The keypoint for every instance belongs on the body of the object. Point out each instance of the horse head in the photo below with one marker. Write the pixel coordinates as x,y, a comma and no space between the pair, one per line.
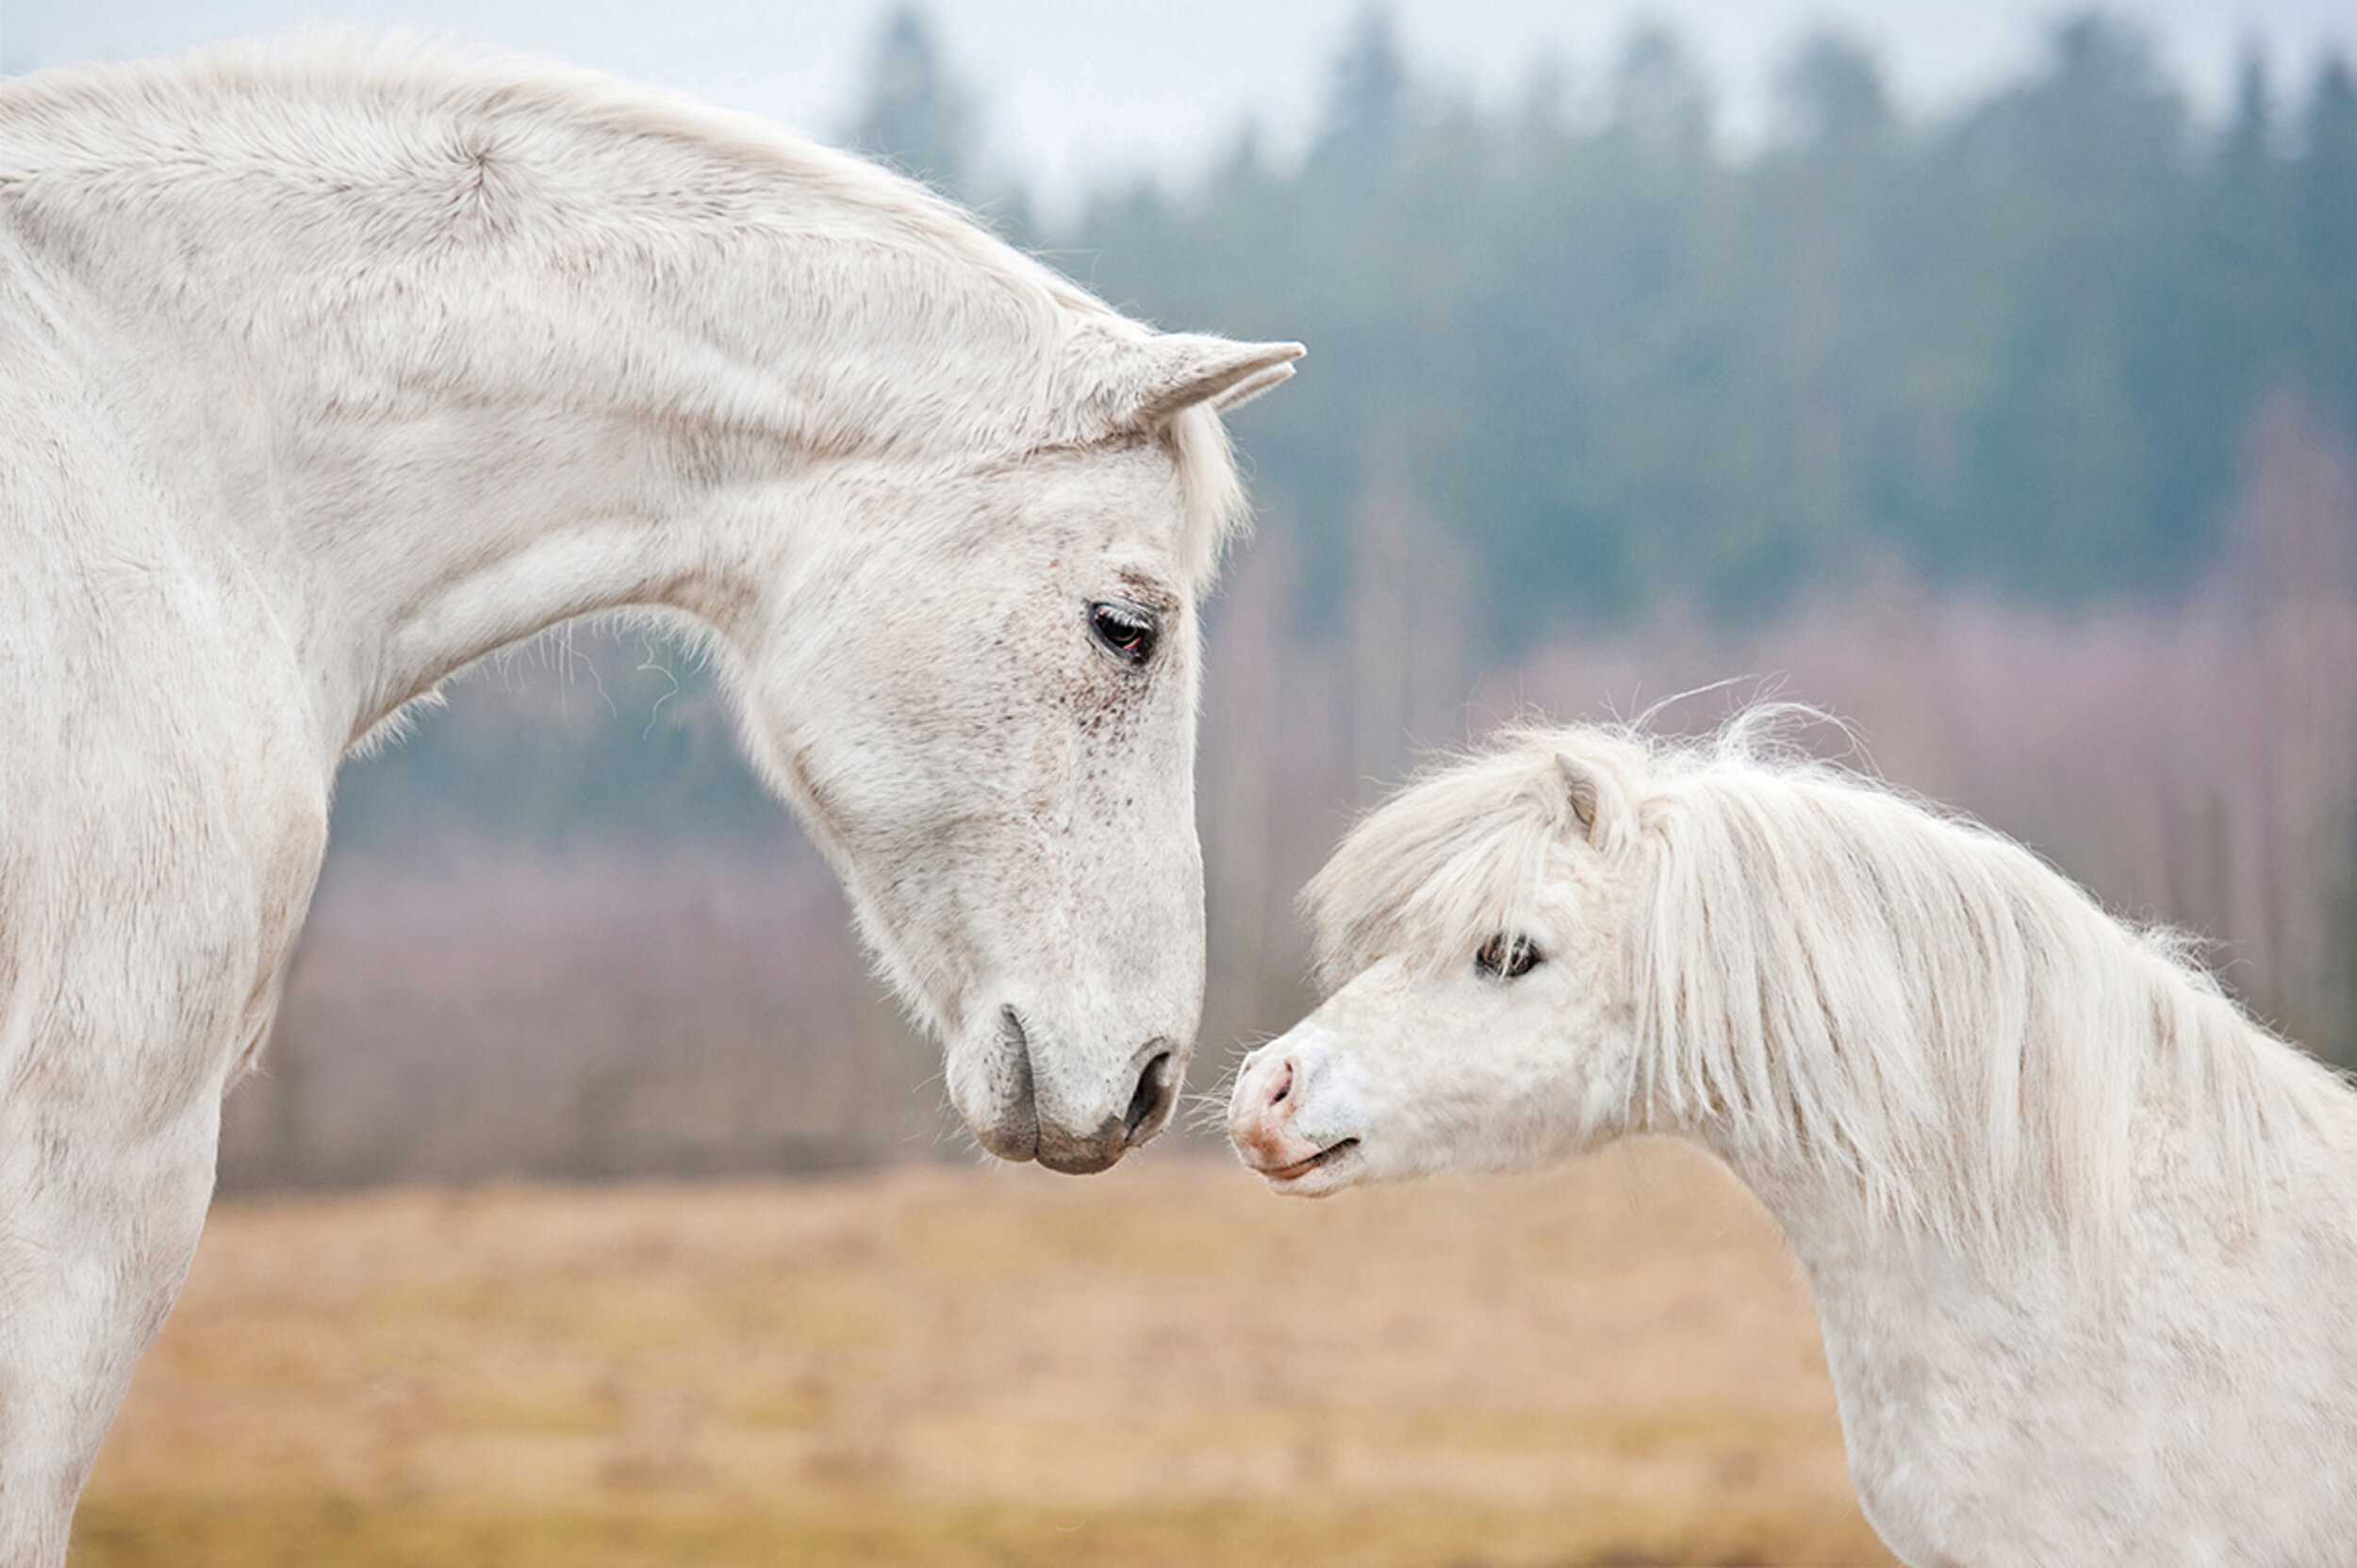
983,701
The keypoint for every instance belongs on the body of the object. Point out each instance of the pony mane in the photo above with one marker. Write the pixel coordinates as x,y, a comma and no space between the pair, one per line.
330,82
1828,979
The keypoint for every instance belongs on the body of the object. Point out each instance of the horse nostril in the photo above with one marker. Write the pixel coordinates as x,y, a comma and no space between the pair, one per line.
1284,1085
1018,1041
1151,1096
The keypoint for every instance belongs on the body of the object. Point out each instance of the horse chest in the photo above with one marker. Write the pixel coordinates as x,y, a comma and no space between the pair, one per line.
165,817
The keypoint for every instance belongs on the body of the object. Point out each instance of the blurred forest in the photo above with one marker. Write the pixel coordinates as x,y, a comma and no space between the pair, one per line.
2020,437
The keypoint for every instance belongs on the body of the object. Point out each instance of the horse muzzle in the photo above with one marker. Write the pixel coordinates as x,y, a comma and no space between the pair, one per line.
1024,1101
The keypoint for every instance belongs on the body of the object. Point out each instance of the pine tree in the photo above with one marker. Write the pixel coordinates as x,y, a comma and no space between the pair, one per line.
1832,97
918,117
2327,199
1367,115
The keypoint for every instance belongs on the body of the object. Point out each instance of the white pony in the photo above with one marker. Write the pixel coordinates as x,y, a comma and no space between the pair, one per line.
2082,1238
323,375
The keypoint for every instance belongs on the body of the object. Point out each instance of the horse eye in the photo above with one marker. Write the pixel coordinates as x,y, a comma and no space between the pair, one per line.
1126,631
1505,957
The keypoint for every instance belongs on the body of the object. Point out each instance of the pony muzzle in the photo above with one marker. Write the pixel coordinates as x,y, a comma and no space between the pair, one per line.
1261,1115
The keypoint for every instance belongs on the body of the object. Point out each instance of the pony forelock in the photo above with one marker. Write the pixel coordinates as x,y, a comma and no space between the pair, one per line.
1458,855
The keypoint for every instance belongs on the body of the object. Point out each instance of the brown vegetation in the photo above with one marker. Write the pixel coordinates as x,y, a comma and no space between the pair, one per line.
1613,1362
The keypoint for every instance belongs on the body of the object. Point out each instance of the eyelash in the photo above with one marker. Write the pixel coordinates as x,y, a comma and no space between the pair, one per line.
1505,957
1125,631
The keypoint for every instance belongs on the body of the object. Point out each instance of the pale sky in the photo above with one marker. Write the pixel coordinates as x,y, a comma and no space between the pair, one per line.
1080,94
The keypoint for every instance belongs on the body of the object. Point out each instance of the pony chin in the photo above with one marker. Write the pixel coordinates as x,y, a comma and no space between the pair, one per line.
1342,1167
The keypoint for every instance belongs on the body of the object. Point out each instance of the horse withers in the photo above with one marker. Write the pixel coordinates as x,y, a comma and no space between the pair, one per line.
323,374
2080,1236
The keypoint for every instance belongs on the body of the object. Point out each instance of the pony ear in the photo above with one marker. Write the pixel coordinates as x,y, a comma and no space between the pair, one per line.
1597,804
1177,371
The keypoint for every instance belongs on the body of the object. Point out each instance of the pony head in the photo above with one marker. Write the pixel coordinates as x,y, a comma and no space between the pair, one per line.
980,691
1474,934
1583,934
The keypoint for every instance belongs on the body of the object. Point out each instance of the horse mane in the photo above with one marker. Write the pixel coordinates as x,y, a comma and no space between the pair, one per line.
457,93
1828,977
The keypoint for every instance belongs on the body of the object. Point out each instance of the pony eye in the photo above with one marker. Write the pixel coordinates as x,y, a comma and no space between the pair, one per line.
1505,957
1127,632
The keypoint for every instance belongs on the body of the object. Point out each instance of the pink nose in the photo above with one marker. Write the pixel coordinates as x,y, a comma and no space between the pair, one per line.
1280,1088
1260,1120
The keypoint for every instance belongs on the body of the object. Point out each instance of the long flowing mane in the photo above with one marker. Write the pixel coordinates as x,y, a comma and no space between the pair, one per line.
463,153
1826,976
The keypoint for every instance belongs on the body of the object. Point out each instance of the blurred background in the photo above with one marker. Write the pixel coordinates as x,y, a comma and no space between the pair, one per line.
1978,373
1986,374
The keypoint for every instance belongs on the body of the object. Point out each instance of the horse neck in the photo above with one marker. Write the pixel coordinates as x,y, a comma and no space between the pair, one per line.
489,359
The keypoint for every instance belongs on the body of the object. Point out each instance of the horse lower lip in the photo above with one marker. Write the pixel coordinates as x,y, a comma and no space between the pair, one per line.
1303,1167
1078,1161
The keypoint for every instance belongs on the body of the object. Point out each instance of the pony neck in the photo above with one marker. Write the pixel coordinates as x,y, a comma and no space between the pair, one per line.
1905,1031
435,357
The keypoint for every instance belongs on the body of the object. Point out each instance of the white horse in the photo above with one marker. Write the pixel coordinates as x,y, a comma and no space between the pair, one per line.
2082,1238
323,375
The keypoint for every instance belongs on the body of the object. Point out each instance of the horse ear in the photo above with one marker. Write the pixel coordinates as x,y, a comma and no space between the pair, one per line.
1595,800
1184,369
1260,381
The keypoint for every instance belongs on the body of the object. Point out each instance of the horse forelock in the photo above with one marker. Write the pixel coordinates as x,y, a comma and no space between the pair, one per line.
1826,976
1213,512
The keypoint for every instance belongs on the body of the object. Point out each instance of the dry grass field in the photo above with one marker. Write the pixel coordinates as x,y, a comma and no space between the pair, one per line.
1610,1363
